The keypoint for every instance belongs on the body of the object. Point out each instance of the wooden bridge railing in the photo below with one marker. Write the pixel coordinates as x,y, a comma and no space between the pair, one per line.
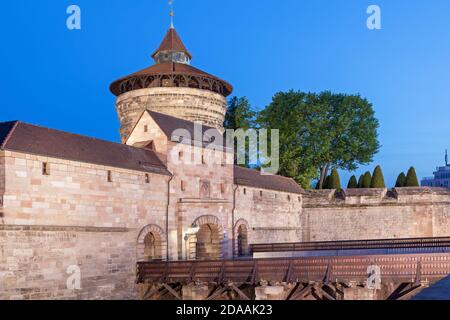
402,268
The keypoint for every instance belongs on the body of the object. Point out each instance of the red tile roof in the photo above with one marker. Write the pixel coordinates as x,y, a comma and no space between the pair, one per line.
31,139
254,179
172,43
169,125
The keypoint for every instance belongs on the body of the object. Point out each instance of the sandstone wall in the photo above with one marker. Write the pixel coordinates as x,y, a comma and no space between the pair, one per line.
185,103
272,216
74,217
200,193
375,214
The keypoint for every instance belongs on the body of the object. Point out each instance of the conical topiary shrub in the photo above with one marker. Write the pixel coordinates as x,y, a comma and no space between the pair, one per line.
378,179
352,183
367,180
360,181
326,184
401,180
335,181
411,178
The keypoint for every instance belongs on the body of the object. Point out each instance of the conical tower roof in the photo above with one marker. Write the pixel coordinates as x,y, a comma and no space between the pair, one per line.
172,43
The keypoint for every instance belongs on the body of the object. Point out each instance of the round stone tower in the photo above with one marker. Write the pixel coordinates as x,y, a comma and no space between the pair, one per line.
173,87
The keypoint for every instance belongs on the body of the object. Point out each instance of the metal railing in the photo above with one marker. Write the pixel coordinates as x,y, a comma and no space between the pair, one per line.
416,243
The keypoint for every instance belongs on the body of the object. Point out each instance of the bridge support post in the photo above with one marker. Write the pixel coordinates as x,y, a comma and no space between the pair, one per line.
195,292
360,293
276,292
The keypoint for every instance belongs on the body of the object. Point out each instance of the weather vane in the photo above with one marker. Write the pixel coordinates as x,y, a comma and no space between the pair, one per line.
171,13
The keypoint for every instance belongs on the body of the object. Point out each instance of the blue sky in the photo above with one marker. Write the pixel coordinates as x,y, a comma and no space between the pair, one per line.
59,78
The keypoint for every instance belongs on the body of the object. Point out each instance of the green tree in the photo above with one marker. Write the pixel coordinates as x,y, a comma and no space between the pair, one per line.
335,180
326,184
378,179
361,181
401,180
352,183
240,116
321,131
367,180
411,178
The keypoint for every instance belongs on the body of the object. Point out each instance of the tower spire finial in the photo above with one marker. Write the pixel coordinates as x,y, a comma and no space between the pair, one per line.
172,14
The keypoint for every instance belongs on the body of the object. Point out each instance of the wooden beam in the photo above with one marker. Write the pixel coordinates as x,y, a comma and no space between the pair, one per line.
151,292
172,291
324,293
217,293
300,294
239,292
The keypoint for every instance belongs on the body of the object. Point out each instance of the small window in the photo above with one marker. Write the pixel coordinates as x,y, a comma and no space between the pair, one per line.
299,199
260,193
145,128
180,155
183,186
203,159
109,176
45,169
289,198
147,178
245,191
222,188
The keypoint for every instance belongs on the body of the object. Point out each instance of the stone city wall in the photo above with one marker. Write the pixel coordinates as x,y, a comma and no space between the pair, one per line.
74,217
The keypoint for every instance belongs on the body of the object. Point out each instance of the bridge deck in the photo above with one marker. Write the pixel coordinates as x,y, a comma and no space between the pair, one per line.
400,268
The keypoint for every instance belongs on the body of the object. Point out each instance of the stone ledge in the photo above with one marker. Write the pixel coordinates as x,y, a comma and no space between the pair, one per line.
62,229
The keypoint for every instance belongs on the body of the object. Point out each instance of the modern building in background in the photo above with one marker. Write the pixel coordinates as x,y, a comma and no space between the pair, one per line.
441,176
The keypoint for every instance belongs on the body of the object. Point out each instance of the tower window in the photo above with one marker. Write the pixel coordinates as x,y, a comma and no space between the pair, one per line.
145,128
109,176
45,169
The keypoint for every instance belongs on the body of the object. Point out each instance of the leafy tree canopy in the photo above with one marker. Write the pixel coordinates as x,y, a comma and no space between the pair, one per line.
321,131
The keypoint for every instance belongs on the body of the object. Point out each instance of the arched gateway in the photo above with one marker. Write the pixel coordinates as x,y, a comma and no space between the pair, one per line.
152,244
208,242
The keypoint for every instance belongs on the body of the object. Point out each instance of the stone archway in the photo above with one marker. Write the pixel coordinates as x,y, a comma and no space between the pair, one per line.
152,244
241,242
207,244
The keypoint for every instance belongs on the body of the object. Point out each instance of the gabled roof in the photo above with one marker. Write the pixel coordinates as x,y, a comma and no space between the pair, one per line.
254,179
5,130
172,43
31,139
169,125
